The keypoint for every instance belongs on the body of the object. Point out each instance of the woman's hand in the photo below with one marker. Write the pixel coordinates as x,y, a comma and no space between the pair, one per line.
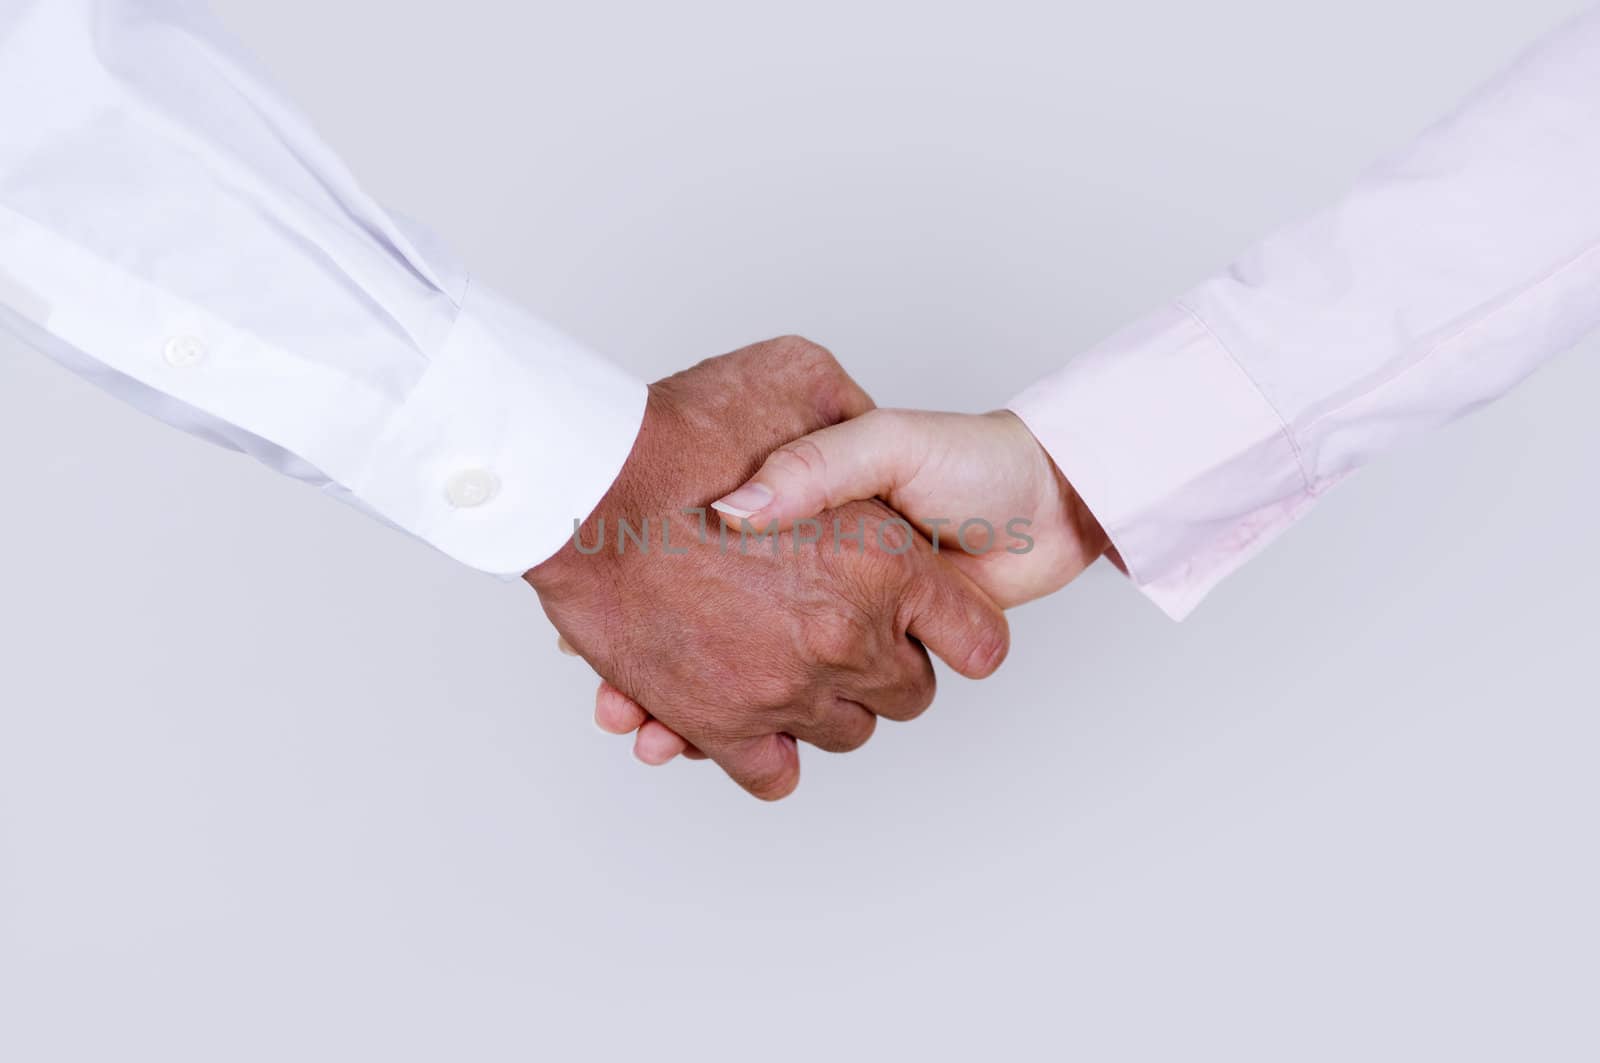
979,485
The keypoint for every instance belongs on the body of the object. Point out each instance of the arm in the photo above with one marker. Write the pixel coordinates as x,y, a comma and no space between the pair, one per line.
172,229
1190,440
1182,446
1447,274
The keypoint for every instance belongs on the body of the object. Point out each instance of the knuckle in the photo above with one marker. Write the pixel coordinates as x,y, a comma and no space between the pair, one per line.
815,372
835,640
773,692
771,783
987,654
919,696
843,731
815,717
886,569
862,734
911,699
830,742
802,349
802,459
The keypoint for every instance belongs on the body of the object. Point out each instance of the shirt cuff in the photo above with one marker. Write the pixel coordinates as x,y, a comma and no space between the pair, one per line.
1175,450
513,433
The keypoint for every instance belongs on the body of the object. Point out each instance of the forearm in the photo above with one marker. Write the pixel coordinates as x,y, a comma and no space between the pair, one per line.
1445,276
173,229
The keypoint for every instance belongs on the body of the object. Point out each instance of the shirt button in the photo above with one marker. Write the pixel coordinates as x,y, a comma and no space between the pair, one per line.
182,352
472,488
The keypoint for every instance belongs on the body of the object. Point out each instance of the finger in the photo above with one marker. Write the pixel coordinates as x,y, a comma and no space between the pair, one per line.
868,457
767,767
619,714
961,625
840,727
615,712
656,743
907,691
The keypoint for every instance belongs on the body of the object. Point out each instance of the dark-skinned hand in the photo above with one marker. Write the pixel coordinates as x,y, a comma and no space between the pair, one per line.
742,649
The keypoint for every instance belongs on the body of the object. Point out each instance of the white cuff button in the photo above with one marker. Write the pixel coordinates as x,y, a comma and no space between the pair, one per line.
182,352
472,488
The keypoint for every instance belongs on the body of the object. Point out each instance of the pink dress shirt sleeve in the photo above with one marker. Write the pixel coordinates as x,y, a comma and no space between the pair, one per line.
1447,274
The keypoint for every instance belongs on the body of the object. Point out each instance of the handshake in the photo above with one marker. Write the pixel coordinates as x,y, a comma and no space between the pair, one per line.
841,544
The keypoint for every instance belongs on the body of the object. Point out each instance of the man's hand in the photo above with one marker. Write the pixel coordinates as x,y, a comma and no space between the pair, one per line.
740,650
980,486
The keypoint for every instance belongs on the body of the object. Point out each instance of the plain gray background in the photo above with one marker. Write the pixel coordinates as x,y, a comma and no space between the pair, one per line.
278,783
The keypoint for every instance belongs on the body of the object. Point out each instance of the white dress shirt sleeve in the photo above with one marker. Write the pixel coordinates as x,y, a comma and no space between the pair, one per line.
1450,272
171,228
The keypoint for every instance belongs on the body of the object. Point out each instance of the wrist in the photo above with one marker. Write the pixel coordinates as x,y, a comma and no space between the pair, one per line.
1077,537
577,567
1085,526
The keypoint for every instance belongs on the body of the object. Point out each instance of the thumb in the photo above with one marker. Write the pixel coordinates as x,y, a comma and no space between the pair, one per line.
868,457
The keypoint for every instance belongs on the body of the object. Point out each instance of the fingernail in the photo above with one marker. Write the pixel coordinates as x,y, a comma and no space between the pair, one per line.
565,647
749,499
